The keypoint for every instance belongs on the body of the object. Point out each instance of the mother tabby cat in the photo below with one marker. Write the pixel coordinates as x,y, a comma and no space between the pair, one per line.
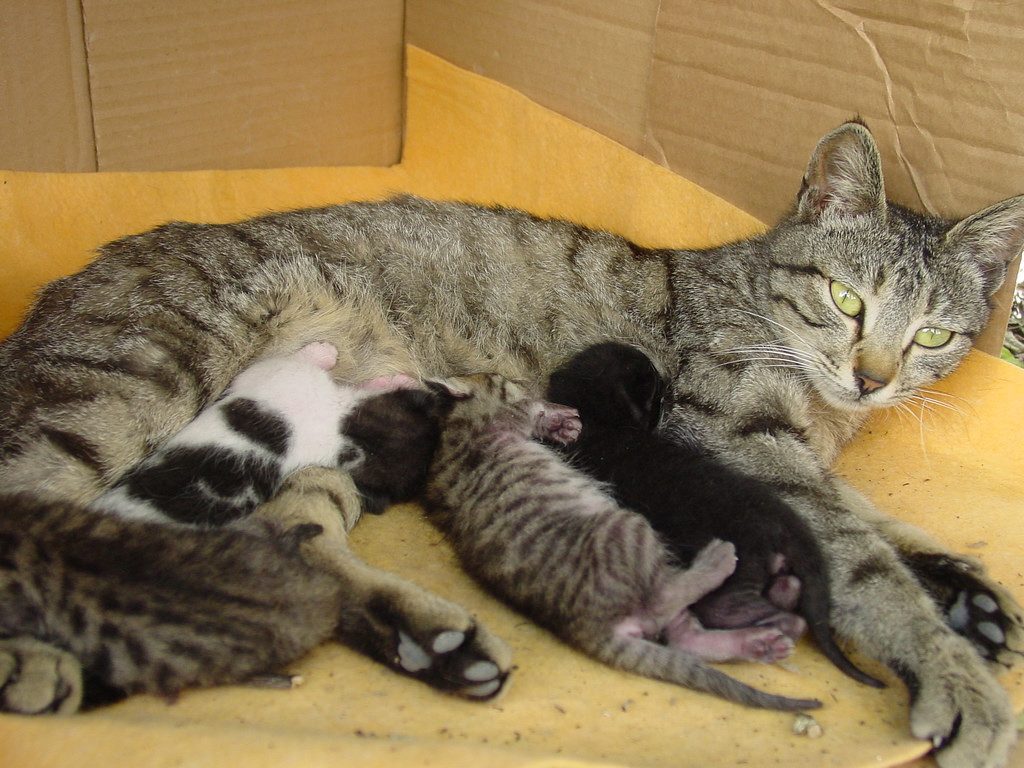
789,339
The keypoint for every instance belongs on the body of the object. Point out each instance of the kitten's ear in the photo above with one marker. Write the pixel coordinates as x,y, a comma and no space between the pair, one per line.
844,177
991,238
447,389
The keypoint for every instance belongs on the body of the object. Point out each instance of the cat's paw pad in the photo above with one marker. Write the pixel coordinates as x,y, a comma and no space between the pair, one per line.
974,606
37,678
461,662
320,353
430,639
964,713
558,424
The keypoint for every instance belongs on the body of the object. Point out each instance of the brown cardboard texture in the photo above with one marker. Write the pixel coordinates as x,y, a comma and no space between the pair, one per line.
45,115
174,86
588,59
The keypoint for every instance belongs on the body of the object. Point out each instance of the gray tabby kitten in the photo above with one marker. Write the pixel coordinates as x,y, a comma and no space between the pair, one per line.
552,543
850,303
97,607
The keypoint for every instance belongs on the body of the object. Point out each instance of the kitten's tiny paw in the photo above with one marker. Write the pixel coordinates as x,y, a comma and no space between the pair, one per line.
558,423
766,645
790,624
718,557
974,606
320,353
37,678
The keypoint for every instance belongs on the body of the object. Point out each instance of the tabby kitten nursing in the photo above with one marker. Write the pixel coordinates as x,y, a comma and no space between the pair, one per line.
551,542
690,499
777,347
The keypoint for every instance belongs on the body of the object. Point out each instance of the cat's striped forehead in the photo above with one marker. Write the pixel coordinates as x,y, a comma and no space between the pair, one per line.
905,269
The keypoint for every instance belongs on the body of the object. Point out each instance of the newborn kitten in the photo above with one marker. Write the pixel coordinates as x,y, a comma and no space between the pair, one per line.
278,415
549,540
691,499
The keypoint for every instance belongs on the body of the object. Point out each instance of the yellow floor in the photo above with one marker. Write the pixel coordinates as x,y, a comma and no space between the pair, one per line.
956,474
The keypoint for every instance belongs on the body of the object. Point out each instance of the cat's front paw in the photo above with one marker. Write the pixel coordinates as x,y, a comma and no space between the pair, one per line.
37,678
973,605
557,424
958,706
434,641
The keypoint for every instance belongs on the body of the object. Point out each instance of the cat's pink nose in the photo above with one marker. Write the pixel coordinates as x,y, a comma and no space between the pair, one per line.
868,382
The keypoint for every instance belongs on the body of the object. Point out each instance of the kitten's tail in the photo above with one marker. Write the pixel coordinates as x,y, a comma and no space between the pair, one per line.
673,665
805,558
814,607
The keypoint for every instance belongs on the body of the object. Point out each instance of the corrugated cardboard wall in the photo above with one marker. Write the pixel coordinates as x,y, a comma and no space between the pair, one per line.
587,59
152,85
45,116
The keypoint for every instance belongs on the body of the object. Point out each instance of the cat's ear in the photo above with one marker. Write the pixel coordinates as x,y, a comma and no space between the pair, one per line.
991,238
844,177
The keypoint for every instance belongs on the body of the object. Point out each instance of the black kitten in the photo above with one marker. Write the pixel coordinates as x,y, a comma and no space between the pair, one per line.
690,499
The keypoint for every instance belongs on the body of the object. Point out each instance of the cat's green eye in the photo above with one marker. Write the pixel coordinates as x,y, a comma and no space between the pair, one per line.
849,303
933,337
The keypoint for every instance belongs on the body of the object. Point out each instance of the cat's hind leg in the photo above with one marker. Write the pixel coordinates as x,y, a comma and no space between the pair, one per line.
383,616
37,678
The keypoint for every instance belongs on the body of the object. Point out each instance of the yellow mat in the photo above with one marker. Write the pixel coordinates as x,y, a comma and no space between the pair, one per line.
469,138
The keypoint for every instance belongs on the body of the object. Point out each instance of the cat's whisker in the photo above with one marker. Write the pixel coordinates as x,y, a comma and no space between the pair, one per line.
949,396
783,326
775,349
932,403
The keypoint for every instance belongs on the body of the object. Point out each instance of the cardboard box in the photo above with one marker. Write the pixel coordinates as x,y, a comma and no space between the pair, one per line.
730,95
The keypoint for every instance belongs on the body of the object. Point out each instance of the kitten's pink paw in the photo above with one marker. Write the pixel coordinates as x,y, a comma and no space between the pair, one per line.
319,353
767,645
390,383
557,423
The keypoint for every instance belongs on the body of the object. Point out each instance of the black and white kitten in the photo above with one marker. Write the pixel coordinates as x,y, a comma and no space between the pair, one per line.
280,414
691,498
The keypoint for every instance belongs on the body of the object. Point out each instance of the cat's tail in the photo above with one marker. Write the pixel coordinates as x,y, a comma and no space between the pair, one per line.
661,662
